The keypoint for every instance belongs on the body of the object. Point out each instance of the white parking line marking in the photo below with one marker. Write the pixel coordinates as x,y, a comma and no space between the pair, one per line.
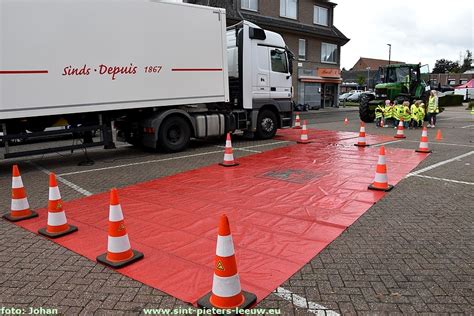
440,143
467,126
140,163
268,144
441,163
165,159
242,149
444,179
386,143
302,302
64,181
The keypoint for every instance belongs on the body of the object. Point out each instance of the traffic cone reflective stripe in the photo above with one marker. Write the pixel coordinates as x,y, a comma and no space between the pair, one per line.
400,129
304,134
346,121
19,207
57,225
381,180
119,251
423,148
228,154
297,121
226,291
361,141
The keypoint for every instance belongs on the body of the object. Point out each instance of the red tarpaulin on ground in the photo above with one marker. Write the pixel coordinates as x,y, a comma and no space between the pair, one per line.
284,207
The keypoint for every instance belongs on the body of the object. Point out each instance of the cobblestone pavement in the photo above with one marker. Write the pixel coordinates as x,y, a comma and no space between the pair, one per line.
410,253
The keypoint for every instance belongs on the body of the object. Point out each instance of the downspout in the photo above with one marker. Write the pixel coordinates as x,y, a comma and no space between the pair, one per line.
237,9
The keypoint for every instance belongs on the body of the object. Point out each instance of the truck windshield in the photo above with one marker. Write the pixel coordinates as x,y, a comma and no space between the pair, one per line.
279,61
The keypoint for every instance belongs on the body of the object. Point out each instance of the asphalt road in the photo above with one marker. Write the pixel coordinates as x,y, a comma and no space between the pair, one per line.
409,253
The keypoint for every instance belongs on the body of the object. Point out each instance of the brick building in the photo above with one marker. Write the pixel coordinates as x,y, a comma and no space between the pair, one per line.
374,64
308,30
451,79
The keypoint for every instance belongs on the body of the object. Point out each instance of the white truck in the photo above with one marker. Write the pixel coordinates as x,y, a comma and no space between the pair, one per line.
161,72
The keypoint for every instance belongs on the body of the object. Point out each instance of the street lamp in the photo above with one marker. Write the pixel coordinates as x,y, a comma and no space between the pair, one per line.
389,52
368,79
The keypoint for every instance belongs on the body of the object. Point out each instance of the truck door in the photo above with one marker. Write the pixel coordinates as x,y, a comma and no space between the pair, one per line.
261,75
280,82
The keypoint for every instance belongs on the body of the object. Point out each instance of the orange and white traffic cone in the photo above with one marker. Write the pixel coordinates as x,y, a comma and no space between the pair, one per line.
361,141
304,135
119,252
226,292
400,129
228,154
297,121
20,208
439,136
346,121
381,182
57,223
423,148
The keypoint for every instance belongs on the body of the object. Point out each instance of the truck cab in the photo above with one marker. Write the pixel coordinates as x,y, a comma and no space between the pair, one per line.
260,77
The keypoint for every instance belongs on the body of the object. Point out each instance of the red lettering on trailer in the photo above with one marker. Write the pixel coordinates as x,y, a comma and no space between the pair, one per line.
115,70
22,72
196,69
70,71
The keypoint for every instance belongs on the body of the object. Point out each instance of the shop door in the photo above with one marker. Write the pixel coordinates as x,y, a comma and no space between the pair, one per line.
312,95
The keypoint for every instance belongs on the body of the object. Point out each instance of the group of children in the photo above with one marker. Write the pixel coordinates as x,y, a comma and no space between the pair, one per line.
392,113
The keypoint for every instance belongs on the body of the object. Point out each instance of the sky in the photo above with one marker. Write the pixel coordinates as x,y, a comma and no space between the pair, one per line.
419,31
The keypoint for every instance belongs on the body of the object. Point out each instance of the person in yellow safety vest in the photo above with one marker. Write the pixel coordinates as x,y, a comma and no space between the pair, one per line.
405,114
414,114
396,113
387,113
378,115
433,109
421,114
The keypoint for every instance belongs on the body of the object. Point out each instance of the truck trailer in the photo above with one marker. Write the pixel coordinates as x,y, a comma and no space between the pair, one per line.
158,72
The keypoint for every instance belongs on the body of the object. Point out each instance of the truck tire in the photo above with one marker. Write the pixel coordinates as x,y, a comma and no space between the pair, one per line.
366,115
174,134
267,124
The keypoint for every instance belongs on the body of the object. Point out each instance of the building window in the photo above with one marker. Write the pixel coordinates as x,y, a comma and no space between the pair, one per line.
328,53
463,81
320,16
249,5
288,8
302,49
452,82
279,63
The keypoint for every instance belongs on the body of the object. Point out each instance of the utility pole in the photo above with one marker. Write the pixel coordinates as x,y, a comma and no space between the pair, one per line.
389,52
368,79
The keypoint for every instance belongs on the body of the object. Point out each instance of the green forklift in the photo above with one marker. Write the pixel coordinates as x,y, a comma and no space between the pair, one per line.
398,82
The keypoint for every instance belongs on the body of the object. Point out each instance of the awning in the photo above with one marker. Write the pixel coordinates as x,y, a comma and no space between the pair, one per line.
319,79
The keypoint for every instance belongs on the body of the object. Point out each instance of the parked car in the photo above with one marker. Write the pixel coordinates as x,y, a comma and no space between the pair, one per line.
343,97
354,97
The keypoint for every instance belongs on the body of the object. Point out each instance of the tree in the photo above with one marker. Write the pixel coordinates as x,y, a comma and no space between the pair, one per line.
360,80
467,62
443,65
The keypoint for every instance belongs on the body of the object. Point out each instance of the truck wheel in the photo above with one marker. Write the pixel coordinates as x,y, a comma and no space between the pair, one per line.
174,134
366,115
266,124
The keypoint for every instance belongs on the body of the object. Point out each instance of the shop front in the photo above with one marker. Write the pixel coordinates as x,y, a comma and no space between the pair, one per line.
319,88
